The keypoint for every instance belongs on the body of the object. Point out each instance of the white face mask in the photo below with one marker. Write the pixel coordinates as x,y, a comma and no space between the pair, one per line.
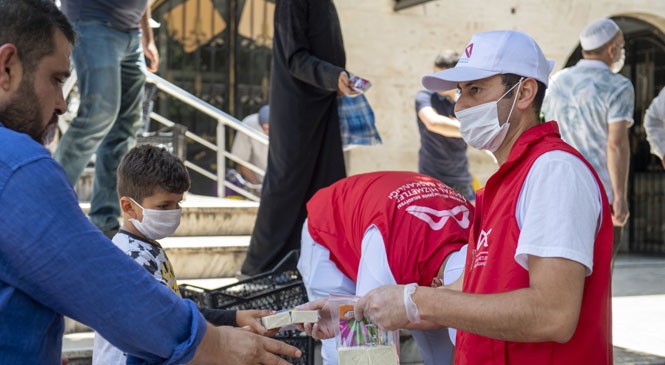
157,224
480,126
618,64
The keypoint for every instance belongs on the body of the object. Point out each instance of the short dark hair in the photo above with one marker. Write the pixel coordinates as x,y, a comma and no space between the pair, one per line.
30,26
446,59
509,80
146,168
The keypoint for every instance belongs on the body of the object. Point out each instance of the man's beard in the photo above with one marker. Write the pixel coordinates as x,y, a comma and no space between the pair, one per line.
22,113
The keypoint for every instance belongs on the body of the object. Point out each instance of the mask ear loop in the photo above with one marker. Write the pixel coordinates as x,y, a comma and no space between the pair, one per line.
138,205
518,84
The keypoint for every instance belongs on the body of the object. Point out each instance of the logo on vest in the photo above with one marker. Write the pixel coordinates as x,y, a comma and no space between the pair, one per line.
436,219
480,254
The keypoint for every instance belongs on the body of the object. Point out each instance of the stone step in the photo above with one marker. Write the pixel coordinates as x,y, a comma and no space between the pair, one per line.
212,216
203,257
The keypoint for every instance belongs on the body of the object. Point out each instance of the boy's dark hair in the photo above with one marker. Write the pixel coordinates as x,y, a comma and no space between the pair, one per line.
446,59
30,26
146,168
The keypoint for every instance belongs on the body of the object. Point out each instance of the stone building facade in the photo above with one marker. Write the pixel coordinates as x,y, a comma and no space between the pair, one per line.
394,49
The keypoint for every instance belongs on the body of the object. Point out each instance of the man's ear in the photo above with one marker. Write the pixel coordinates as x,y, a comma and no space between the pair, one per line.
526,93
11,67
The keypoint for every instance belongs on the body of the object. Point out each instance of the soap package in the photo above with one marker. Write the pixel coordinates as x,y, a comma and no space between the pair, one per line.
289,317
361,342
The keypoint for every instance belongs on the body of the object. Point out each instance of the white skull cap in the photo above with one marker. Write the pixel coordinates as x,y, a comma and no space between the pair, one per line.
598,33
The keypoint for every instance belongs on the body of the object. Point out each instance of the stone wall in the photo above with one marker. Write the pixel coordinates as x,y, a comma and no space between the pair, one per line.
395,49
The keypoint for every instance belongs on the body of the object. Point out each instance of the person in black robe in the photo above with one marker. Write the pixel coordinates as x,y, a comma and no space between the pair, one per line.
305,152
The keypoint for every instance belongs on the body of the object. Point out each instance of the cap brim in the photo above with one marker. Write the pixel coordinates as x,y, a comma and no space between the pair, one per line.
550,65
448,79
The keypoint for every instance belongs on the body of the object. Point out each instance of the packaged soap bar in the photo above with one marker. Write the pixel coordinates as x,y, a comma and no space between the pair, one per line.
368,355
289,317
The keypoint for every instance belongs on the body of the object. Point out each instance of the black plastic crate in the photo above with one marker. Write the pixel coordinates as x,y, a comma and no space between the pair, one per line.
194,293
265,291
280,288
300,340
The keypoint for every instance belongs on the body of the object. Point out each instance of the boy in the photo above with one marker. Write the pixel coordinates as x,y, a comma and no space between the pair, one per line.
151,184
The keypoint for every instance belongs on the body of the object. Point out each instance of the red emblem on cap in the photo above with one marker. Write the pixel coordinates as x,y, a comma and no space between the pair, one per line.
469,50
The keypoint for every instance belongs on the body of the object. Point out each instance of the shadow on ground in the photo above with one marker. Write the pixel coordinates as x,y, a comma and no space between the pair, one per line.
629,357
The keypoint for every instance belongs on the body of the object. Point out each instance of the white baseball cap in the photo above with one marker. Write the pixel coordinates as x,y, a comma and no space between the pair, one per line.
598,33
494,53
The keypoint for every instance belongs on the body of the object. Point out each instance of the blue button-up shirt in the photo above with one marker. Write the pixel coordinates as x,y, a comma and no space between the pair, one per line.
54,262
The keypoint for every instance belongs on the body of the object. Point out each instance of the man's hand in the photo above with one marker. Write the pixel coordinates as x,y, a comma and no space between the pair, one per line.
384,306
324,328
620,212
152,55
231,345
344,85
148,41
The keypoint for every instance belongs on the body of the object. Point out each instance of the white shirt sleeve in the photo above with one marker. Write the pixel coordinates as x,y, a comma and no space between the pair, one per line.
654,124
373,269
558,210
242,144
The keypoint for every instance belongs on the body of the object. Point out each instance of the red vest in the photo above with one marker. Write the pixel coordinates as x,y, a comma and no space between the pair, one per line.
412,212
491,267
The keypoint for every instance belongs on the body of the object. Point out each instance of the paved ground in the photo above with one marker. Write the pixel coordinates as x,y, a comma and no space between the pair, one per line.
638,301
639,310
638,313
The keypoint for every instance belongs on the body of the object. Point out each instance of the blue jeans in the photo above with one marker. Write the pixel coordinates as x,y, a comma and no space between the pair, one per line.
110,67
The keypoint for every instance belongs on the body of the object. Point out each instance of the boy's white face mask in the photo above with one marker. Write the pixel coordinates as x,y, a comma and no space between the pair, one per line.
157,224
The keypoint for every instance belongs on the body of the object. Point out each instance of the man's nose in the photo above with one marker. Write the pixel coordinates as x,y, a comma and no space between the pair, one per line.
459,105
60,103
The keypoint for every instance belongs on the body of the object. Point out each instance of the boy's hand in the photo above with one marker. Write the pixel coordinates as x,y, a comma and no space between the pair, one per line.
251,319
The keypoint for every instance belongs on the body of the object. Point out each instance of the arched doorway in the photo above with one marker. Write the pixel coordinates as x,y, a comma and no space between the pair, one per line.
645,67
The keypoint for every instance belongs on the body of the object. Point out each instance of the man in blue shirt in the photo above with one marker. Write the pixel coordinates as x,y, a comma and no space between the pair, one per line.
53,261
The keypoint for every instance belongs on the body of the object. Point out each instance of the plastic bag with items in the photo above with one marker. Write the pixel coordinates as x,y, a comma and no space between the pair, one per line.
361,342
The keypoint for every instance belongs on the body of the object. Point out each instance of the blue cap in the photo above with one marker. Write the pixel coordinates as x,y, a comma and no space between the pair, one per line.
264,114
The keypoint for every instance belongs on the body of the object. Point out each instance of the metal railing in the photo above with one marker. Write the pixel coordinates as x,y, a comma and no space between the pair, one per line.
223,120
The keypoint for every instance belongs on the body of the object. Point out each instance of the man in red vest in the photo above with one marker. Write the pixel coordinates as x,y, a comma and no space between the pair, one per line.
536,286
389,227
